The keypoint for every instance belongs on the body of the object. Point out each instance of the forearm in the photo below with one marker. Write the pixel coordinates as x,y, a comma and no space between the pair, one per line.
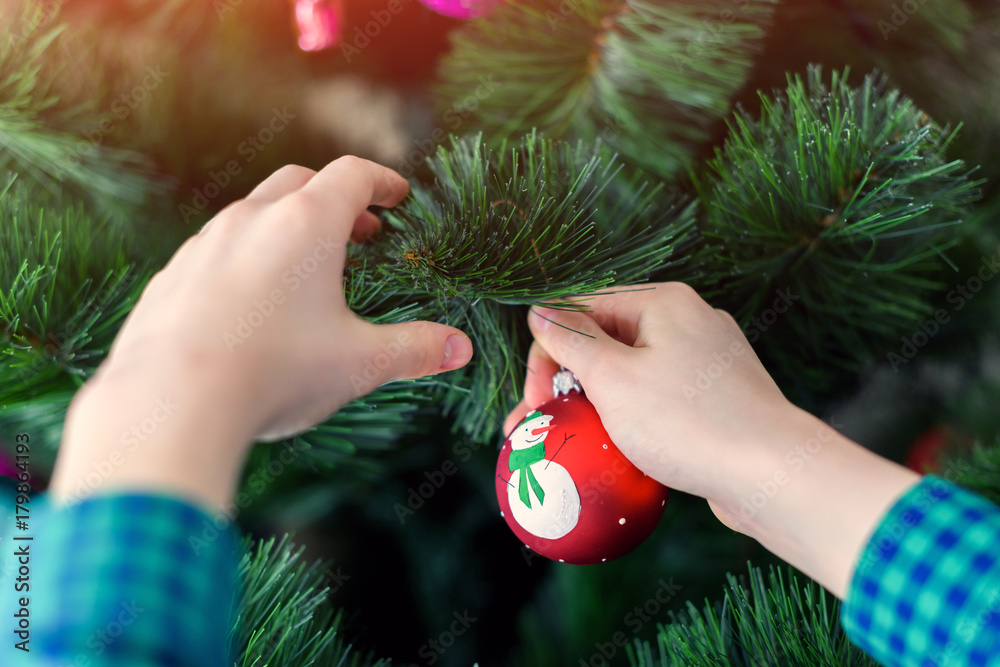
151,432
822,500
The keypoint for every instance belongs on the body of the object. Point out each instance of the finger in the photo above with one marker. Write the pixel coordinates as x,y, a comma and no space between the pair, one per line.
365,227
619,310
281,183
537,385
352,185
728,320
227,210
572,339
538,377
410,350
516,415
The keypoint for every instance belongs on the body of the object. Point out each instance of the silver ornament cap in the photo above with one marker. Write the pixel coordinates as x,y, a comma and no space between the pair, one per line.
565,382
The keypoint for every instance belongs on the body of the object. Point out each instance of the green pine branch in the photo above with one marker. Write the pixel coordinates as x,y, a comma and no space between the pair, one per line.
777,622
73,281
76,277
534,220
183,20
42,417
49,138
981,472
372,424
649,77
844,198
286,619
938,26
369,426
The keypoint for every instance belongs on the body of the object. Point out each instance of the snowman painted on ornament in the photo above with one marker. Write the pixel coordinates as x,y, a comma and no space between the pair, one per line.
543,497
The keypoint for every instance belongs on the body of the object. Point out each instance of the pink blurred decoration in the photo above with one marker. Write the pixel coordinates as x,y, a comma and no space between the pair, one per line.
7,467
319,22
460,9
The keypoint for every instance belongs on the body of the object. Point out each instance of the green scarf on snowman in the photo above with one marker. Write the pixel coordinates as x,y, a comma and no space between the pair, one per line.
523,459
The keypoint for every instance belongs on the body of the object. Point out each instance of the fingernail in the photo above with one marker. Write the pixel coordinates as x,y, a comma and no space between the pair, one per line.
542,317
457,352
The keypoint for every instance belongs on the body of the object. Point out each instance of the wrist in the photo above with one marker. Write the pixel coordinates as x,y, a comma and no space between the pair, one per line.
818,498
150,429
772,448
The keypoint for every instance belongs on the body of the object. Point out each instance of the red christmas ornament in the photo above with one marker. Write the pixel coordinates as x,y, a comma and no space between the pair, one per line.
925,455
567,491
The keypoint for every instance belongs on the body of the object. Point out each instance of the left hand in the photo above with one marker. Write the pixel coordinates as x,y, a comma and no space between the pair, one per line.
248,323
275,261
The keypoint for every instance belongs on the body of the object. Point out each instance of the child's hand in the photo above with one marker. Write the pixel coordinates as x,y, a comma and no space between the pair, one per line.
685,398
674,380
257,298
246,334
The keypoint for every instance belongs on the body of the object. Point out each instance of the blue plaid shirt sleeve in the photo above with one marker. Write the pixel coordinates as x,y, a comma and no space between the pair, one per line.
926,589
125,579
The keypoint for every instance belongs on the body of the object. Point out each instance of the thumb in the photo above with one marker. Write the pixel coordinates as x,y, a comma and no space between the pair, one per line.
571,337
415,349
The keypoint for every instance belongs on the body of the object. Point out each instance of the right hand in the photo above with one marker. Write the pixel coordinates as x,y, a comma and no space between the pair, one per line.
685,398
676,384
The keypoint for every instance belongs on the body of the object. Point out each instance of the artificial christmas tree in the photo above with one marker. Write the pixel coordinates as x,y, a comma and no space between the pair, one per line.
614,143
